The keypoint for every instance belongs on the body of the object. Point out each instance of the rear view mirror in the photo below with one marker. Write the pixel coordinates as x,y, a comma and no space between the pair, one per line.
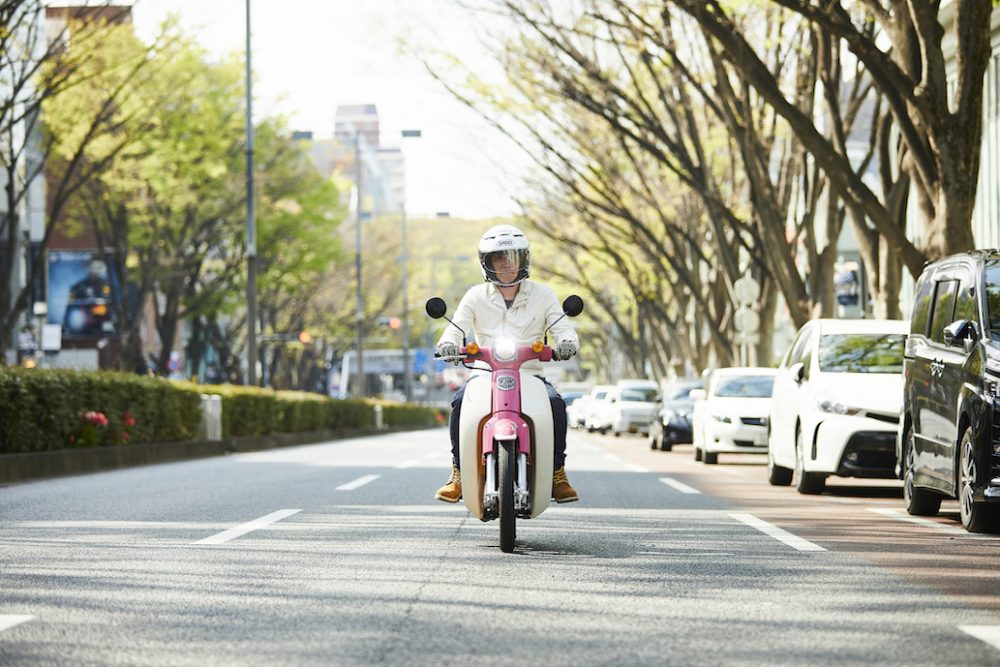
960,333
436,307
573,305
798,371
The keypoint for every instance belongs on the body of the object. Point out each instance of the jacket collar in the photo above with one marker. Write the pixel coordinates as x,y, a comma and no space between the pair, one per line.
522,293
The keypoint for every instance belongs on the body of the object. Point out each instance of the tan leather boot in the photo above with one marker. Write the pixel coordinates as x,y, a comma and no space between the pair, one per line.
562,492
452,491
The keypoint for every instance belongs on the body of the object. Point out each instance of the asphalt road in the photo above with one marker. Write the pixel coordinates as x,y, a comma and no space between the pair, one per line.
337,554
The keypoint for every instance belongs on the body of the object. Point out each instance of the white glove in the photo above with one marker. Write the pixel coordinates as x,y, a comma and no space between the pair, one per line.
447,350
564,350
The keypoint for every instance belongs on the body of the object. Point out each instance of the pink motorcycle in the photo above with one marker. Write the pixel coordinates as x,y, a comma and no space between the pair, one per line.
506,439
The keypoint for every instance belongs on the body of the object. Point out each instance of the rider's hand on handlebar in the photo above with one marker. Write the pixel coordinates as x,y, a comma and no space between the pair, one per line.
448,352
564,350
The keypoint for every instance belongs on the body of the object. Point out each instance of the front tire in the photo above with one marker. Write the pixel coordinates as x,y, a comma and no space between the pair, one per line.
777,475
697,454
808,483
711,458
918,502
506,478
977,517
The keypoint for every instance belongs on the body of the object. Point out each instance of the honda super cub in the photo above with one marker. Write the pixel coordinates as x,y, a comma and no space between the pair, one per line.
505,433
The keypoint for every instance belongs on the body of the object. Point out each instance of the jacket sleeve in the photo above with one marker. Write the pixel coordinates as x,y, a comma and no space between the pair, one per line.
464,317
563,330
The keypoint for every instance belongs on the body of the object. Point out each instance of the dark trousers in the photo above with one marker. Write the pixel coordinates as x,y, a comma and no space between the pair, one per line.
558,423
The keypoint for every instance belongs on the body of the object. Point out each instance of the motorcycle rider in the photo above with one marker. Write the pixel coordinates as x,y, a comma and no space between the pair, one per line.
510,304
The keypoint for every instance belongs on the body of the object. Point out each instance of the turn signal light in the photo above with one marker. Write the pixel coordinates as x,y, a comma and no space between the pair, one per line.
472,348
537,346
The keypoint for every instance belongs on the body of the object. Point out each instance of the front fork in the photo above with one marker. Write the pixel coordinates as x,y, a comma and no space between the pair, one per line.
491,494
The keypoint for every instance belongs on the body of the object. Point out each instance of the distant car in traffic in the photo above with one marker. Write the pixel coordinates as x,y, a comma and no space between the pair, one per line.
672,423
731,415
836,403
594,420
631,406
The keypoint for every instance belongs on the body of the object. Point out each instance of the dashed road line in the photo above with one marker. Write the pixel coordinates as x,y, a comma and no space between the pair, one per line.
921,521
406,464
635,467
611,457
434,455
779,534
244,528
359,482
987,633
9,621
679,486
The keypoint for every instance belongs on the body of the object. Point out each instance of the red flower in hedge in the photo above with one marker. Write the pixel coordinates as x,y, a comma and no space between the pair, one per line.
128,420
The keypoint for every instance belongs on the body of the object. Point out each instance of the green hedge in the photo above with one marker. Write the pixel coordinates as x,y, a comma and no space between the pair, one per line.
43,409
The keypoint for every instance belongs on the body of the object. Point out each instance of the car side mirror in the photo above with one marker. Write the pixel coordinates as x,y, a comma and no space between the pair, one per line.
698,395
960,333
798,372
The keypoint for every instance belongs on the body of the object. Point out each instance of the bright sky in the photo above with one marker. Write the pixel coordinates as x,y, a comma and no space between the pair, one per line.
309,56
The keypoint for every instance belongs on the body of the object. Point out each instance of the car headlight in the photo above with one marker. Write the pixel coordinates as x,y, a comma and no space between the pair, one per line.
835,408
504,349
723,418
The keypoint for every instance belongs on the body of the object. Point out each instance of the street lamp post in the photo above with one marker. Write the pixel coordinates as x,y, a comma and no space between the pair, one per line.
407,373
251,247
359,311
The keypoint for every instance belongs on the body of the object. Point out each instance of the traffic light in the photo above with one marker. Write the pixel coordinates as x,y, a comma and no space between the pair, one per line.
395,322
305,337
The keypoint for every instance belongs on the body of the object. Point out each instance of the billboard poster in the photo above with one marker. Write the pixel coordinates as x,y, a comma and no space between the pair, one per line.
83,293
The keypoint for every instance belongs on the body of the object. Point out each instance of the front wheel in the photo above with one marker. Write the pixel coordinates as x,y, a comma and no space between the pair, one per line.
777,475
810,483
506,476
977,517
918,501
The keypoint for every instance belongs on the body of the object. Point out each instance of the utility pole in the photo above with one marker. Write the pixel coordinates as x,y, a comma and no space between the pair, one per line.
407,371
251,248
359,314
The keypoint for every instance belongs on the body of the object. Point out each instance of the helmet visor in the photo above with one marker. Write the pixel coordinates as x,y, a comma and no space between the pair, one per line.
504,261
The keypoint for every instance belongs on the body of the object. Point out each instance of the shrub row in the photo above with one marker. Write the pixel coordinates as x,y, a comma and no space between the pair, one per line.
43,410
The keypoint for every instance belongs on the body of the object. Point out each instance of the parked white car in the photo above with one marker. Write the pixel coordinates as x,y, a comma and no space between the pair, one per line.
837,400
576,412
731,415
594,418
631,406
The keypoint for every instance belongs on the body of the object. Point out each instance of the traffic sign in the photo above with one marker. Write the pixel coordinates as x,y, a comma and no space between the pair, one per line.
746,290
746,320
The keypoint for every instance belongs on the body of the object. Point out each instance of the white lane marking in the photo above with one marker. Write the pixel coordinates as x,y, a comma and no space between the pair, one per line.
249,526
359,482
779,534
680,486
920,521
634,467
9,621
611,457
434,455
406,464
987,633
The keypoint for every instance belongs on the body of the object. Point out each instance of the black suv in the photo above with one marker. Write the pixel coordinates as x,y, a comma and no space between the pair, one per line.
949,443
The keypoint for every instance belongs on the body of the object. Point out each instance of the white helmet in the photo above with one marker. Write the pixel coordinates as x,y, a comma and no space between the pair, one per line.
504,241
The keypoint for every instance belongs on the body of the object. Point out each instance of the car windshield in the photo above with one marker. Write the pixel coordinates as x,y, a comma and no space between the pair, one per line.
684,393
745,386
644,395
599,395
861,353
992,280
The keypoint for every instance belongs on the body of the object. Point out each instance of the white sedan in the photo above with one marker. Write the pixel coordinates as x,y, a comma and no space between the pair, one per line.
731,416
836,405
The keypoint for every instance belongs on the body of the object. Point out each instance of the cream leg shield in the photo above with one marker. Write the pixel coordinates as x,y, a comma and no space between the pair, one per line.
536,407
477,406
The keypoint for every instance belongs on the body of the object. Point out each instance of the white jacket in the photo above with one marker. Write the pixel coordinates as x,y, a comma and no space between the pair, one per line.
535,307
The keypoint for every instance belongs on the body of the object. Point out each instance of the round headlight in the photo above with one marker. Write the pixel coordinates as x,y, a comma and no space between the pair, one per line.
505,349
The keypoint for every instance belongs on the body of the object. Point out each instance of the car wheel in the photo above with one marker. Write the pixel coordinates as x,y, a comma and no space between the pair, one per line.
977,517
666,445
919,502
808,483
617,433
711,458
777,475
697,454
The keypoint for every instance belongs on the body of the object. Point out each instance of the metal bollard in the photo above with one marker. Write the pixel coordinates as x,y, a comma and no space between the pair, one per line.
378,418
211,417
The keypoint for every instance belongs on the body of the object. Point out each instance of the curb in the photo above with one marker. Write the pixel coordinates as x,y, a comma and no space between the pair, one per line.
30,466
